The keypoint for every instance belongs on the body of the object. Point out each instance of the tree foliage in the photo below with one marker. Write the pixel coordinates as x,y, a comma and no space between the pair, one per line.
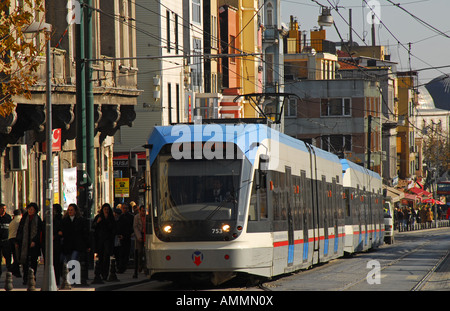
436,148
18,61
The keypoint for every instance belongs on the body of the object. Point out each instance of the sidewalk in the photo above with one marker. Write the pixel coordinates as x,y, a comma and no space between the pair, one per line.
124,280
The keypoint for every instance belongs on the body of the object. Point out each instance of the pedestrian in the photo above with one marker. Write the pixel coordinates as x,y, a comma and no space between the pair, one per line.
124,231
134,208
5,250
13,226
117,212
75,234
448,213
104,227
139,226
57,241
429,216
29,239
400,216
413,218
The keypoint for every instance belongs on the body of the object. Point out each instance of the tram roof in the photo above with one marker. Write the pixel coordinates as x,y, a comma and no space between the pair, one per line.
243,135
346,164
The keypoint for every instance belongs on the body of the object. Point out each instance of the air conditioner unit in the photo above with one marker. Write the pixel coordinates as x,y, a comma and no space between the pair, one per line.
18,157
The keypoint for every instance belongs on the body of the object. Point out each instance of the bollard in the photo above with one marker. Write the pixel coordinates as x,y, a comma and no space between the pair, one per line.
31,280
65,285
112,273
9,282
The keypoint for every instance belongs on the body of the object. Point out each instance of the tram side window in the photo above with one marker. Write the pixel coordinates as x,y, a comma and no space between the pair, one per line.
263,195
347,202
253,208
297,204
258,199
279,196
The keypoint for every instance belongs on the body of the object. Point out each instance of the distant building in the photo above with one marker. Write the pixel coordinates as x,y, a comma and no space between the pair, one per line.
333,112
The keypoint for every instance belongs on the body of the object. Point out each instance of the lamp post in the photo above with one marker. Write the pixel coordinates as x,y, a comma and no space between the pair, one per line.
49,272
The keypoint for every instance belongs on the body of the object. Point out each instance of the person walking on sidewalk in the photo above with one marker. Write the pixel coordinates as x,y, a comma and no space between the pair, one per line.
139,225
29,239
5,250
13,227
57,241
104,226
124,231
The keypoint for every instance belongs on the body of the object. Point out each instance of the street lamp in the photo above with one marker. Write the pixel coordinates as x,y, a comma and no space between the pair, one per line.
49,272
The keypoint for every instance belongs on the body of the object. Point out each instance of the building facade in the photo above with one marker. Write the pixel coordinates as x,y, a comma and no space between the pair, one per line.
115,95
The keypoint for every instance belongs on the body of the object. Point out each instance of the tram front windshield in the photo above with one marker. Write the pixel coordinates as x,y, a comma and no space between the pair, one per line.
196,190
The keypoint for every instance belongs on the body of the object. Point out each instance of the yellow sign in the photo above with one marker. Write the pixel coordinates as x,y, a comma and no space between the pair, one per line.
122,187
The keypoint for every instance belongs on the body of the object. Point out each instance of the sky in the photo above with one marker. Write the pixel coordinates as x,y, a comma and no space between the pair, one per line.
430,48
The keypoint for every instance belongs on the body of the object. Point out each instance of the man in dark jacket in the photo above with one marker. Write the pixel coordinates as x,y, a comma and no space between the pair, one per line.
124,230
5,250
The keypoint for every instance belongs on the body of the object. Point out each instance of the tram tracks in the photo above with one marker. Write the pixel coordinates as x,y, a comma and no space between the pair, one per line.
423,281
419,286
391,263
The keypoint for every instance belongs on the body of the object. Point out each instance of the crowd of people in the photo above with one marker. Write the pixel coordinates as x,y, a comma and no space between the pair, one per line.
406,217
74,238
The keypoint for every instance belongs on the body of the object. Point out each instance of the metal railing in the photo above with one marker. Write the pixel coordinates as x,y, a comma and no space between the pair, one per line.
422,226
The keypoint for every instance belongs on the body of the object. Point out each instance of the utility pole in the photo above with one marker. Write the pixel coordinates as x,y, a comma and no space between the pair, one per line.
49,283
49,275
89,40
369,139
81,110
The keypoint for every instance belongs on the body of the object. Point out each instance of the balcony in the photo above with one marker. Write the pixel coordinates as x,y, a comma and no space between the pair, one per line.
115,95
271,35
106,73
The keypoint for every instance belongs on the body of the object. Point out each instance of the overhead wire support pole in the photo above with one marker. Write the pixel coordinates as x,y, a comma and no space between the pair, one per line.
369,140
81,110
89,39
49,283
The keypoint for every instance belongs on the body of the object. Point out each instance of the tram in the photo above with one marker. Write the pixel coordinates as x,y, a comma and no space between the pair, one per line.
228,199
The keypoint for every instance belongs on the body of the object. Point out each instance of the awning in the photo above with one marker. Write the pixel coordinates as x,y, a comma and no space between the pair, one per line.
420,192
125,156
395,194
410,198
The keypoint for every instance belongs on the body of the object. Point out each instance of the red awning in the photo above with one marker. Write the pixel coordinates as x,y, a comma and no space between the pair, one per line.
141,155
420,192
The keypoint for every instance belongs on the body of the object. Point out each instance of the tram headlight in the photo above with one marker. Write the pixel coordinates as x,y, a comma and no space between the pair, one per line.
167,229
226,228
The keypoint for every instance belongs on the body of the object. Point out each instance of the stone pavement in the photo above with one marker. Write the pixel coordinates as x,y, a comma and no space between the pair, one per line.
123,280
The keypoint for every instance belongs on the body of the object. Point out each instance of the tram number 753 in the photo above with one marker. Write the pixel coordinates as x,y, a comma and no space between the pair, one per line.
223,229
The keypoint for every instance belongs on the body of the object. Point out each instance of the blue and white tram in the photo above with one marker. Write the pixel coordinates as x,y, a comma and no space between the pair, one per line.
363,208
229,199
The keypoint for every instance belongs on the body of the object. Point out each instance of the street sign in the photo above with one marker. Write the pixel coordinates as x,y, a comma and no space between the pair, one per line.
56,141
122,187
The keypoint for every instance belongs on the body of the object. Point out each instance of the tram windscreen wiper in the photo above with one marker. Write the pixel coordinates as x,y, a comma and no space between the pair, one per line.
222,204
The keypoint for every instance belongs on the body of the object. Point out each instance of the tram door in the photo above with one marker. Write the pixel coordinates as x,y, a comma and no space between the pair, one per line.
290,216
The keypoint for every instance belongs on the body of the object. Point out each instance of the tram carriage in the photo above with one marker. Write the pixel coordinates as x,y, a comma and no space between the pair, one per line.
283,205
